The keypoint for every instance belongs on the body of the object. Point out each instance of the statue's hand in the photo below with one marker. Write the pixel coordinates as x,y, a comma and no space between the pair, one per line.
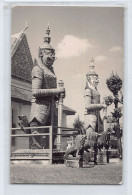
61,90
104,106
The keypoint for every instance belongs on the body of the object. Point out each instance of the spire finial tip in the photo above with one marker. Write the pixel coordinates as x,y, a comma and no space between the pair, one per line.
92,60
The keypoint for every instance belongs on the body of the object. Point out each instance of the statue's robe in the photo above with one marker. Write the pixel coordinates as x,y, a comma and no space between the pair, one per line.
42,107
94,97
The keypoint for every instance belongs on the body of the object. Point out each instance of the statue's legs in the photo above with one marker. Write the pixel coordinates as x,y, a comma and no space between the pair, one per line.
38,142
90,120
90,125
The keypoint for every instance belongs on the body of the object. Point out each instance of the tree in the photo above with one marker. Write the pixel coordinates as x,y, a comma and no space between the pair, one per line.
114,84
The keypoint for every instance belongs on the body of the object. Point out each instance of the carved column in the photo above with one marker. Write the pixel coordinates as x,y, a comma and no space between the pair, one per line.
105,119
60,115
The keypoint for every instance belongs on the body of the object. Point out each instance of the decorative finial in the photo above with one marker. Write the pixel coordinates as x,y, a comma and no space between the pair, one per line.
47,38
92,61
25,27
92,64
60,83
46,45
91,68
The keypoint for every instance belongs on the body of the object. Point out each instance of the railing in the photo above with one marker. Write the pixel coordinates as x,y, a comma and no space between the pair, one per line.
45,154
50,134
49,151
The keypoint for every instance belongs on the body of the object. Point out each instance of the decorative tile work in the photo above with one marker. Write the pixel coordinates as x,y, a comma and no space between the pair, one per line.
21,62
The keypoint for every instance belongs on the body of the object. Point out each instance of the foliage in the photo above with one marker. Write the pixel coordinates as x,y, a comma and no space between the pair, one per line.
117,113
114,83
108,100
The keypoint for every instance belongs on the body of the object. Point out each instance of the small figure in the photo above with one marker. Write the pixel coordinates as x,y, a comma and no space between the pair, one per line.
77,149
23,122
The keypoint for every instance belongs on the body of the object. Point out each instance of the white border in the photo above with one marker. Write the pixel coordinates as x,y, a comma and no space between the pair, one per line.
12,189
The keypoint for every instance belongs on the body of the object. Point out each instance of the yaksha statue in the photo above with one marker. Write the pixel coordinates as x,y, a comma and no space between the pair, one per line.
44,92
92,100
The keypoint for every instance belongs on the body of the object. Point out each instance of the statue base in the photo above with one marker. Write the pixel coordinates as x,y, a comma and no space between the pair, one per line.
102,158
74,162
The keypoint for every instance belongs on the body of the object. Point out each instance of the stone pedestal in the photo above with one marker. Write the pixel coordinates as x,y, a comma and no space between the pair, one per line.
102,158
74,162
88,157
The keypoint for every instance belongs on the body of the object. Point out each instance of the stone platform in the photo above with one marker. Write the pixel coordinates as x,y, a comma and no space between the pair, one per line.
58,156
42,155
30,154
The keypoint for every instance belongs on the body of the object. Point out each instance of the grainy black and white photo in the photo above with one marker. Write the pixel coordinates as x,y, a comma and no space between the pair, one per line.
66,95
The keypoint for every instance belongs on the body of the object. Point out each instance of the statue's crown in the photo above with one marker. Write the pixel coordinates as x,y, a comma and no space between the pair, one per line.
91,69
47,40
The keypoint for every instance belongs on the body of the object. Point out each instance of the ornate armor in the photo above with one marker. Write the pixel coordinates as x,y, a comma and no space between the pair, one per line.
42,78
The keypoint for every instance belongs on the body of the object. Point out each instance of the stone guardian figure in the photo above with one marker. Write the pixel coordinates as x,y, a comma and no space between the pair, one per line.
44,93
92,100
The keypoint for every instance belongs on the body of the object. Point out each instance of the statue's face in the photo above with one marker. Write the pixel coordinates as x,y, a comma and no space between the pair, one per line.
48,57
94,80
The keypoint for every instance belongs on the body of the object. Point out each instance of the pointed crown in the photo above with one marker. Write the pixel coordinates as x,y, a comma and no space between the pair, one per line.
47,40
91,69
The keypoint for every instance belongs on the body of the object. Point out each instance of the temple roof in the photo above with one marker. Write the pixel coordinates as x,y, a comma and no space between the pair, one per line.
67,110
15,40
21,59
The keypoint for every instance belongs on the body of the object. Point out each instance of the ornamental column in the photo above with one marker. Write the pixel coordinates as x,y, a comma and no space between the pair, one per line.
105,120
60,115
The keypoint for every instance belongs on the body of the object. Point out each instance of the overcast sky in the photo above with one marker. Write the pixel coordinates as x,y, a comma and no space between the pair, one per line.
77,35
